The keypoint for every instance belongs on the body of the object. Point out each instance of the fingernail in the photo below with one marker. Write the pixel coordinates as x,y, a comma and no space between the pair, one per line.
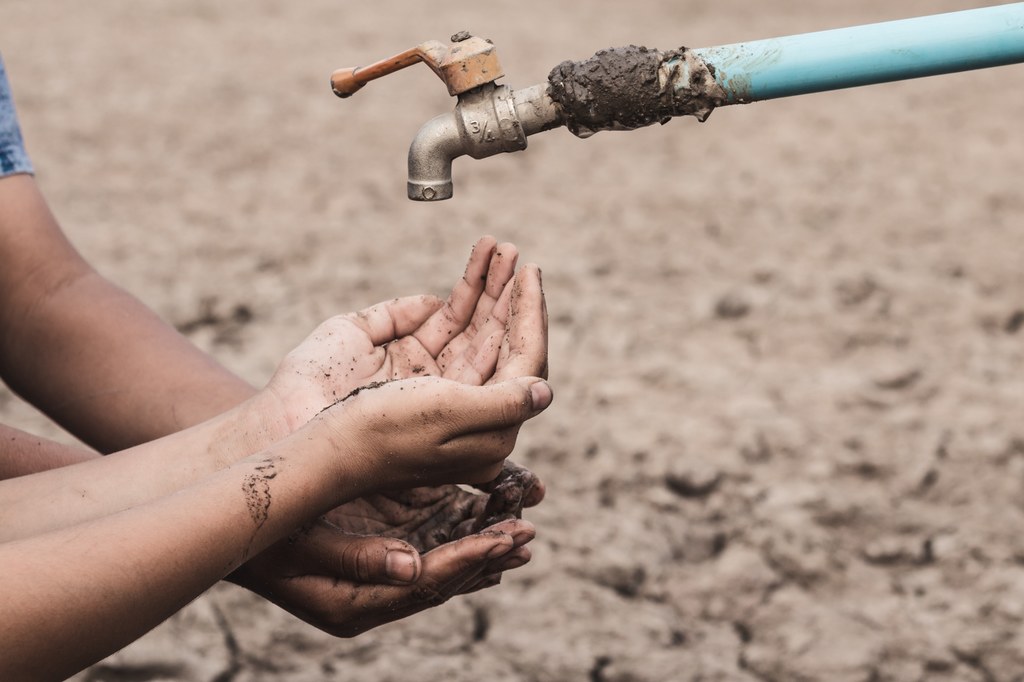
540,393
400,566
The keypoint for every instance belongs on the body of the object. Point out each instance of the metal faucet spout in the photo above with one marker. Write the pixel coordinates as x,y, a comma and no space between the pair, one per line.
488,120
435,146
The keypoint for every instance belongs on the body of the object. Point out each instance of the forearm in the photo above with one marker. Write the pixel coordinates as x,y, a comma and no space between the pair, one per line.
91,356
88,590
107,369
99,486
23,453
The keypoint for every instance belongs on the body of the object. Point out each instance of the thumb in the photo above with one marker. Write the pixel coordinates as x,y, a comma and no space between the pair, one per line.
360,558
506,404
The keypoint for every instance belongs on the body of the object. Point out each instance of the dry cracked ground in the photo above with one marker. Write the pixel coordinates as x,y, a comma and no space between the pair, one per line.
787,349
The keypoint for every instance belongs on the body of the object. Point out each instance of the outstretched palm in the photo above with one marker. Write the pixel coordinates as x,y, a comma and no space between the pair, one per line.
429,517
491,328
459,339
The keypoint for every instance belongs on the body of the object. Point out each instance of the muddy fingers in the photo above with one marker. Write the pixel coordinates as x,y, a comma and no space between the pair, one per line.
428,431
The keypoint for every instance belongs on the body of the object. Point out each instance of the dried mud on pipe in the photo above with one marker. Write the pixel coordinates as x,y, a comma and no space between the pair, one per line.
624,88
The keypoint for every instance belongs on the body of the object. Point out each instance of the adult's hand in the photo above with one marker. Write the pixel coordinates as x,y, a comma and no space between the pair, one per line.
325,575
384,557
429,517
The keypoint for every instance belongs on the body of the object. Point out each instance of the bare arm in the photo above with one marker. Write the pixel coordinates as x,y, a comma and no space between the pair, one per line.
98,486
88,589
89,355
363,344
23,453
74,344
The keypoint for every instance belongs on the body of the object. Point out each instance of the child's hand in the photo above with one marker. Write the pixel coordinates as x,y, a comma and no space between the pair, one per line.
428,431
459,339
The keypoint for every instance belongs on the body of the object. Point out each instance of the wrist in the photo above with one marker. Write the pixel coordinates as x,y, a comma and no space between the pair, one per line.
342,453
253,426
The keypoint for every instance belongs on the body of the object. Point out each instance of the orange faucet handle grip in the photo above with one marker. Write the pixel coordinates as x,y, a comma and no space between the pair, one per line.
462,65
344,82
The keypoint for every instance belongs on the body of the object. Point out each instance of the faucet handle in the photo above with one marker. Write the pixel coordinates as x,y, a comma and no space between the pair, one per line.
468,62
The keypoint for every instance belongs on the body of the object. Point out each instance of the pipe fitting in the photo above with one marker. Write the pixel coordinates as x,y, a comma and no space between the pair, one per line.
431,154
488,120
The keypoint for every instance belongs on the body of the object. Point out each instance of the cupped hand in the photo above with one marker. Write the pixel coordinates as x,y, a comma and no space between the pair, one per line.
422,431
325,575
459,339
360,566
428,517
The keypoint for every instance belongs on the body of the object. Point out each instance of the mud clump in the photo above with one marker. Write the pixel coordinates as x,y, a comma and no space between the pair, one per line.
625,88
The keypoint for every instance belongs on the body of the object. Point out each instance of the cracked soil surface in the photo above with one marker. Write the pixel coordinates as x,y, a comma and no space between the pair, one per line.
787,344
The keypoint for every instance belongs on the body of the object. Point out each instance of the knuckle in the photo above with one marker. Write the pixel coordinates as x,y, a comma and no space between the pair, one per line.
512,411
357,562
448,314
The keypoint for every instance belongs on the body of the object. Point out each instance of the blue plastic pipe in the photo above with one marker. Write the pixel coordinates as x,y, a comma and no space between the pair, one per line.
873,53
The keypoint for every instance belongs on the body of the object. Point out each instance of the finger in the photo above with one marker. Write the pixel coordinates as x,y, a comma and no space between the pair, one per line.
534,489
489,410
525,352
473,428
522,532
482,324
395,318
346,609
500,309
503,267
505,501
456,313
530,491
448,570
359,558
496,295
492,573
517,558
483,583
475,351
535,494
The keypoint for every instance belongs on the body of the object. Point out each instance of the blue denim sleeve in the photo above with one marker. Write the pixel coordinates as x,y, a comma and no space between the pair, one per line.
13,158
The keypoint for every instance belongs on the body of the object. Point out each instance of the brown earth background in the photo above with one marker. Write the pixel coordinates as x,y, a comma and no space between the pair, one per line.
786,343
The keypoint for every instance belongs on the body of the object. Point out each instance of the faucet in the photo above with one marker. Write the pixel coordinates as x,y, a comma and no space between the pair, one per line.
616,89
488,119
631,87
